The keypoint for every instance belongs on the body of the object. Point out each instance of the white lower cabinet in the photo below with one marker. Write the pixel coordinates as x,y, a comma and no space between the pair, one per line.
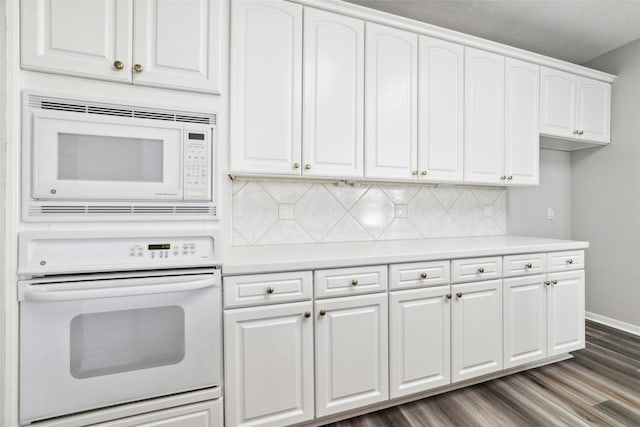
419,340
351,353
565,311
269,365
525,320
476,324
203,414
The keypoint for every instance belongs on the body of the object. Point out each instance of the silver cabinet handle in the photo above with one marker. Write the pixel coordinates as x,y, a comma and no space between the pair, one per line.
481,270
529,265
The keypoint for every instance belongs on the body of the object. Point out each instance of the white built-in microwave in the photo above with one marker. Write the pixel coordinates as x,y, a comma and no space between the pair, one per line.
90,160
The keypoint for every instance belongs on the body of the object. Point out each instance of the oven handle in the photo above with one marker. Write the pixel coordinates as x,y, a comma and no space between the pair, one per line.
116,288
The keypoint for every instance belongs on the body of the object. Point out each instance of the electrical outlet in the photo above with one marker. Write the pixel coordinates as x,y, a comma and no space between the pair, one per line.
550,213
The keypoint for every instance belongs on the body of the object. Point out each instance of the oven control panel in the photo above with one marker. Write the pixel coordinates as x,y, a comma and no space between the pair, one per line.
52,254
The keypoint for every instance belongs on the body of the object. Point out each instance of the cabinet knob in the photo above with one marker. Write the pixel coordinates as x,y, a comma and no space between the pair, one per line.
510,177
307,314
296,165
414,173
570,261
529,265
118,65
581,132
459,294
575,132
555,282
448,296
138,68
354,282
503,177
423,275
269,290
546,282
323,312
481,270
423,173
307,166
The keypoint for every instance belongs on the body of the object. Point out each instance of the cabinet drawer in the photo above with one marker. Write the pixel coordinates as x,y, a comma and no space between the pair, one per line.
564,261
524,265
350,281
204,414
474,269
419,274
273,288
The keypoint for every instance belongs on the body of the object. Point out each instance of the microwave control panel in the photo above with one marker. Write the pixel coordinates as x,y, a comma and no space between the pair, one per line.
197,164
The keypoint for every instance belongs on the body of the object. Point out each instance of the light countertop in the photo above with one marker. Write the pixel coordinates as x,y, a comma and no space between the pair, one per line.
272,258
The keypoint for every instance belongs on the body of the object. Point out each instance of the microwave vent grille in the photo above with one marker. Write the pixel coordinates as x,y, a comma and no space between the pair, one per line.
104,109
119,210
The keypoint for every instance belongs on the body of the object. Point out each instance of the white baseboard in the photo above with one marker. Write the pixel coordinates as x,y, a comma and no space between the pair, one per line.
623,326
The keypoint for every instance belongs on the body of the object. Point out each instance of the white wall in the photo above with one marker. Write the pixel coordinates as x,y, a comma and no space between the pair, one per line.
527,207
606,197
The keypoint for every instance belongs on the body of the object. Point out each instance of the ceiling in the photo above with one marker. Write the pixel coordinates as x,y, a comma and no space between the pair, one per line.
574,30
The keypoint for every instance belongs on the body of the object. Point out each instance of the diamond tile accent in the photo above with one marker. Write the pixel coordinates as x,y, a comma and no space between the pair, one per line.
447,195
424,211
347,195
374,211
317,211
285,211
285,192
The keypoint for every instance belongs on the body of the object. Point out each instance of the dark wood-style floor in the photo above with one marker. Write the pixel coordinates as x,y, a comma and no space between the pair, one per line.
599,386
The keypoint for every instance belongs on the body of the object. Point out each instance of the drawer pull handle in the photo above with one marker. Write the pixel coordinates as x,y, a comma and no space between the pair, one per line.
459,294
529,265
555,282
481,270
307,314
354,282
269,290
323,312
423,275
546,282
570,260
448,296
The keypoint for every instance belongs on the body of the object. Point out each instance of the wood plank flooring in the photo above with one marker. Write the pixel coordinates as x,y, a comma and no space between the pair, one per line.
600,386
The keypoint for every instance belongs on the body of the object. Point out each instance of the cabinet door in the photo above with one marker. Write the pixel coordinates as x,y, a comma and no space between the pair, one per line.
178,44
351,353
525,320
484,117
557,103
565,322
204,414
419,340
269,365
522,128
266,83
333,124
440,110
78,37
476,323
594,110
391,103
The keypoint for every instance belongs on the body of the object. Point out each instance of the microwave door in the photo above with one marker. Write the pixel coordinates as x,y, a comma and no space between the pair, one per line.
102,160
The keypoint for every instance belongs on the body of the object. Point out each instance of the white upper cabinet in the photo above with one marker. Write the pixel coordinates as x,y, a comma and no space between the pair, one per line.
484,117
177,44
440,110
163,43
522,140
77,37
574,107
594,110
333,111
391,103
266,87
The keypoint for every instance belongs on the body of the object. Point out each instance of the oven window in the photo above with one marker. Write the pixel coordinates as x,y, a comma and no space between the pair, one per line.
108,158
129,340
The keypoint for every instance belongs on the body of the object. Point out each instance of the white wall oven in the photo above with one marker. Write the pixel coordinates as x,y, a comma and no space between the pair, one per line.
91,337
86,159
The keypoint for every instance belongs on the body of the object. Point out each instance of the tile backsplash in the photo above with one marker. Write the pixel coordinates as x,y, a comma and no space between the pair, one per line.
286,212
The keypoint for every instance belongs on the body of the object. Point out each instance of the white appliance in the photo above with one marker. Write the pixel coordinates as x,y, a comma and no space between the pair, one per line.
87,159
108,319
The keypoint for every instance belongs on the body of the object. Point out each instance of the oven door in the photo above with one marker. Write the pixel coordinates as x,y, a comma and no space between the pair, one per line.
85,345
76,158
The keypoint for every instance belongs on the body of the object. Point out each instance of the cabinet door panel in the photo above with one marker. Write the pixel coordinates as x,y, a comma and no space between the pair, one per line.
351,353
476,322
594,109
419,330
440,110
484,117
525,320
77,37
333,128
266,82
391,103
557,103
522,128
178,43
269,365
565,324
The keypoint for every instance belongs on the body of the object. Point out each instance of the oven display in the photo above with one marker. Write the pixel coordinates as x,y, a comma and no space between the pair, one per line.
160,247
